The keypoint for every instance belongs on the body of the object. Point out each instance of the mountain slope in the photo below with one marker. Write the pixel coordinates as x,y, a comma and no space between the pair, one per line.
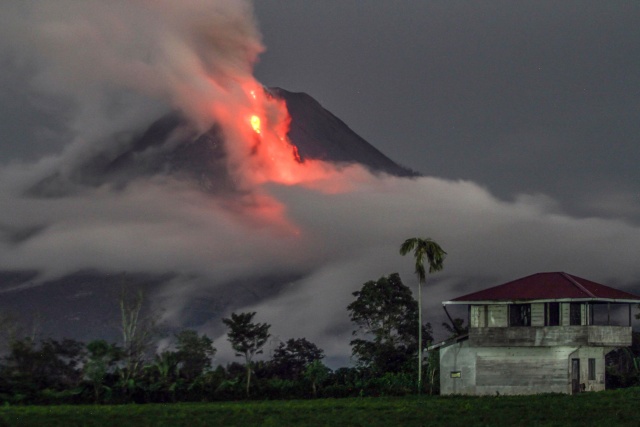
171,145
319,134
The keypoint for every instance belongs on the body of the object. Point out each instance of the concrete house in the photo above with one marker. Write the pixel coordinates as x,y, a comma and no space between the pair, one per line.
544,333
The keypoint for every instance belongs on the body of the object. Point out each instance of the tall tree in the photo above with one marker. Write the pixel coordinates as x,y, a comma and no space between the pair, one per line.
8,326
51,364
246,338
386,314
163,376
291,359
139,331
101,361
316,373
194,353
429,249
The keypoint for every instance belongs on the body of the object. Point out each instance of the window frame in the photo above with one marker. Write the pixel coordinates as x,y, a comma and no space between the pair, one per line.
552,312
591,375
575,309
519,315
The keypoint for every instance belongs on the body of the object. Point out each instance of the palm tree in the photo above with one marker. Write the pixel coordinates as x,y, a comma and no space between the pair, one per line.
435,257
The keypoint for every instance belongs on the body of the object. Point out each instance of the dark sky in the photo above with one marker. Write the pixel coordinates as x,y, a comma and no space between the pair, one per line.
522,97
523,117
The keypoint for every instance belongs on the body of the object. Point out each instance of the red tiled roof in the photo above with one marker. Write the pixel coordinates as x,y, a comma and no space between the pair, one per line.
548,286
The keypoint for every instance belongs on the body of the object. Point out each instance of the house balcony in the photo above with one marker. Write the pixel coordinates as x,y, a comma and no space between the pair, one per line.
551,336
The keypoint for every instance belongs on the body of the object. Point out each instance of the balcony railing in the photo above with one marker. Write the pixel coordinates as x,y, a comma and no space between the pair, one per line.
551,336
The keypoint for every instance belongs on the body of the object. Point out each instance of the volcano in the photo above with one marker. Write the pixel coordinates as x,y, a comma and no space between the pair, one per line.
83,304
171,145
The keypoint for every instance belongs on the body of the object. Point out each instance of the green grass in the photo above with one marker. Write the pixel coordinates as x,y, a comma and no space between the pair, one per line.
608,408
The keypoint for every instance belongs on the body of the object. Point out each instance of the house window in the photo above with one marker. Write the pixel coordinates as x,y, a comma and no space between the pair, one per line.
575,313
553,314
592,369
520,315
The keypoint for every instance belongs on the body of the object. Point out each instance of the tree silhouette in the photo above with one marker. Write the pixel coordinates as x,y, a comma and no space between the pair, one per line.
246,338
429,249
194,353
291,359
386,314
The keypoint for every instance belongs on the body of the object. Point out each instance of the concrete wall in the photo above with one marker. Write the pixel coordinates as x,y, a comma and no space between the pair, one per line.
522,370
609,336
516,370
597,353
491,371
458,357
550,336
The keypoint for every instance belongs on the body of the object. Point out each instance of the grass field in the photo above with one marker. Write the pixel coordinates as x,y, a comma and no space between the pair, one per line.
610,408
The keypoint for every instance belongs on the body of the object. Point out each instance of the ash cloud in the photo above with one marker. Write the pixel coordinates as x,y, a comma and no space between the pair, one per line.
292,253
104,67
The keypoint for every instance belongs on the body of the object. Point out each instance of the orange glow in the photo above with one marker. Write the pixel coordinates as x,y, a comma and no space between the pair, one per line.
296,155
255,123
256,126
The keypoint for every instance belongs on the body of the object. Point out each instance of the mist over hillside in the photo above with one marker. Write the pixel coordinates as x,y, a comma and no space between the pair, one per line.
85,301
172,169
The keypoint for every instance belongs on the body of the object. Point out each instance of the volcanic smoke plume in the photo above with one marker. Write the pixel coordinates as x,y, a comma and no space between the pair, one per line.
291,233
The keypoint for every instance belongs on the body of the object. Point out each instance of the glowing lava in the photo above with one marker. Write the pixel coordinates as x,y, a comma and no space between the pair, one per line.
255,123
272,157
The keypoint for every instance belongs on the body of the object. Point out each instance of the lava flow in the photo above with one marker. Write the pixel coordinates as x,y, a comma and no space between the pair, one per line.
269,155
255,123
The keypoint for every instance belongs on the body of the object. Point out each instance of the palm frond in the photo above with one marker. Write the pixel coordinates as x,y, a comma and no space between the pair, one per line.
424,248
408,246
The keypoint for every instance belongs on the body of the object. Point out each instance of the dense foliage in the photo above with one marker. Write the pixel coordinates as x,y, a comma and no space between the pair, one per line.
383,312
50,372
247,338
69,371
386,315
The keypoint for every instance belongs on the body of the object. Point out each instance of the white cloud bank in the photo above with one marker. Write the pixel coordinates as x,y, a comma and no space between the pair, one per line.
342,240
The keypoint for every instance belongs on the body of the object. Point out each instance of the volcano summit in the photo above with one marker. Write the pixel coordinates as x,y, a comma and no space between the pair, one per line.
171,147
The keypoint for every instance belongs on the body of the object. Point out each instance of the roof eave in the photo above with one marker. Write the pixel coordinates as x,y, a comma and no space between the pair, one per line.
448,342
542,300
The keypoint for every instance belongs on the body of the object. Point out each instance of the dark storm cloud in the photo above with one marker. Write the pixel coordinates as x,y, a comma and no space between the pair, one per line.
524,97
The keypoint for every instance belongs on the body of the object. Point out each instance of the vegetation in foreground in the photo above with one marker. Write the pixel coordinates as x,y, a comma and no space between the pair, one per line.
616,407
385,345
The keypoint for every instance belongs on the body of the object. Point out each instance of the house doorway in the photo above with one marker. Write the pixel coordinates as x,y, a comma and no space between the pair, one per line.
575,376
